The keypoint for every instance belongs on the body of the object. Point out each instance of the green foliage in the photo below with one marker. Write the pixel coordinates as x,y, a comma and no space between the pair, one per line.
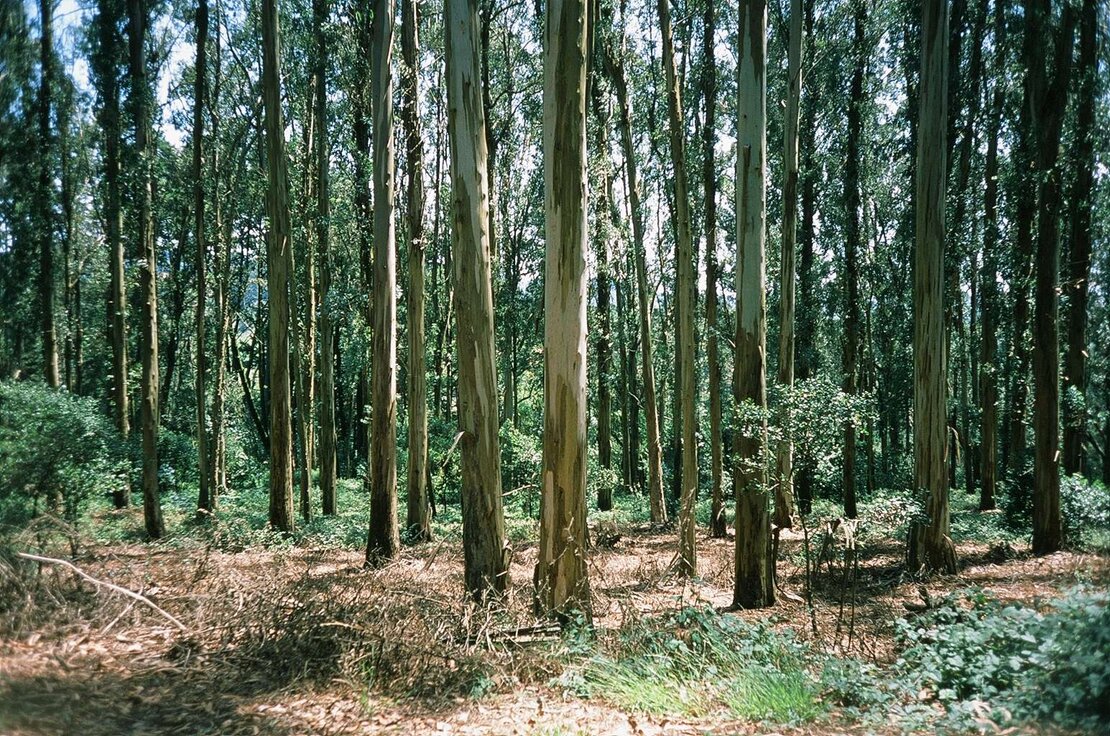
1085,506
54,446
697,661
1043,665
815,411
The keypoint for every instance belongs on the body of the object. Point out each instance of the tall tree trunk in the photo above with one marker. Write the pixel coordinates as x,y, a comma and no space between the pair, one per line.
105,68
45,200
784,480
326,418
485,552
712,269
278,261
304,332
685,285
561,582
1048,94
806,310
989,301
604,287
141,105
929,544
1079,265
384,537
363,206
616,75
754,582
419,517
852,245
200,92
221,268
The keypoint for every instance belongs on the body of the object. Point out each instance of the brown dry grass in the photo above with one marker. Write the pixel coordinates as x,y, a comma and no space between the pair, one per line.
300,641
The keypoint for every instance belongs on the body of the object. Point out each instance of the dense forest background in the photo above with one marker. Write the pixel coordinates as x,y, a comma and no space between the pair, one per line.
286,272
72,219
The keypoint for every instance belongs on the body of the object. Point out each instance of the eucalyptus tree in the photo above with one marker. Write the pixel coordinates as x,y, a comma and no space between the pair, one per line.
200,261
1080,240
990,299
754,565
561,581
784,482
1047,90
685,285
44,201
929,545
614,69
383,542
485,552
712,268
141,106
418,518
278,271
328,326
852,246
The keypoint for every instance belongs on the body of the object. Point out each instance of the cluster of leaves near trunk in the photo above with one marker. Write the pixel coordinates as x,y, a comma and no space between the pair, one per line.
697,662
1047,665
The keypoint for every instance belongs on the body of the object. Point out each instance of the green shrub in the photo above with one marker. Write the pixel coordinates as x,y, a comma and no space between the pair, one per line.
1085,508
56,450
1043,665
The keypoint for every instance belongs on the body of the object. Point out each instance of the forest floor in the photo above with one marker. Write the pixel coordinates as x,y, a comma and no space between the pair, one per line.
305,640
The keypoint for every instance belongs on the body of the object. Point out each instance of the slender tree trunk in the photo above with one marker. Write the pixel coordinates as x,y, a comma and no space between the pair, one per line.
784,486
419,512
200,93
384,537
485,553
326,418
278,261
712,269
754,582
363,206
1079,265
684,314
304,333
929,544
603,343
105,68
806,310
45,200
989,301
1048,94
561,582
616,75
141,94
852,244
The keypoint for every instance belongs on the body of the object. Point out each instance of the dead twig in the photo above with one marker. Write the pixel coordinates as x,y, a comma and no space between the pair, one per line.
101,583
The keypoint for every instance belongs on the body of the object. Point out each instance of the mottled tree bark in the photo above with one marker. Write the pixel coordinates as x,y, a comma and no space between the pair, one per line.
278,261
754,581
384,540
561,583
485,552
929,544
685,286
141,106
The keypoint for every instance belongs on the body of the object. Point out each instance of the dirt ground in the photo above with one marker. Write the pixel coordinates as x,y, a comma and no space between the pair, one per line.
308,641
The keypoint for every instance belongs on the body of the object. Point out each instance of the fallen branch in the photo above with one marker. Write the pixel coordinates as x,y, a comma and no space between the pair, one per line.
102,583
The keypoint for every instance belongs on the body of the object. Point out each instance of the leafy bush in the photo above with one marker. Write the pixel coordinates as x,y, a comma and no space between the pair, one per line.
1049,665
1085,507
55,449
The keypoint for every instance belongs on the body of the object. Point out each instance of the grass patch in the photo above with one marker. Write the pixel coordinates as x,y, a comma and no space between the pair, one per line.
697,662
